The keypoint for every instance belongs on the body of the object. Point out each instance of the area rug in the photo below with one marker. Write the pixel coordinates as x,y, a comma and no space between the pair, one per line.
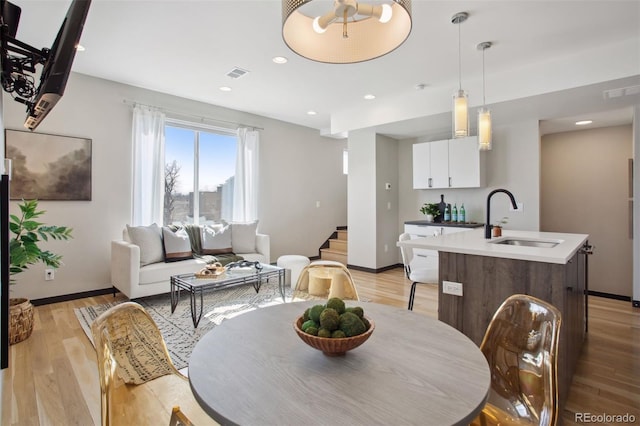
177,327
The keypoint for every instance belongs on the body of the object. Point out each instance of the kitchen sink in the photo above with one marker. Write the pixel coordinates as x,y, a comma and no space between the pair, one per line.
526,242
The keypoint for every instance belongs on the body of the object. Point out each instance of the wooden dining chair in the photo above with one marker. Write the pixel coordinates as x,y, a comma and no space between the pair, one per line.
324,279
178,418
138,382
521,347
416,275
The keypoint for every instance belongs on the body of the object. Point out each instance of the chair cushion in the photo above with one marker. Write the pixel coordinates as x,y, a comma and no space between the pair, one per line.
177,245
244,237
216,242
149,239
423,275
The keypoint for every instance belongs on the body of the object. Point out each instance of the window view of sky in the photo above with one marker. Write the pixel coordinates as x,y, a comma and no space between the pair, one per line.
217,157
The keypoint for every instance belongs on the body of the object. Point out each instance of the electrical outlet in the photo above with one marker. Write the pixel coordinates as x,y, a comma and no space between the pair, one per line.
49,275
451,287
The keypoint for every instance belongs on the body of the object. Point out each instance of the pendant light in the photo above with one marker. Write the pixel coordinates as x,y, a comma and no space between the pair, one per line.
484,114
460,100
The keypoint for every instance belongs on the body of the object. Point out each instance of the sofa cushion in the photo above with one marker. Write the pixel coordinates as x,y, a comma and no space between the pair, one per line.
162,272
149,239
177,245
244,237
216,242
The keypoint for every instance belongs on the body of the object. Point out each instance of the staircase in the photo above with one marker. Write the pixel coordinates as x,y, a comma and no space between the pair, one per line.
335,248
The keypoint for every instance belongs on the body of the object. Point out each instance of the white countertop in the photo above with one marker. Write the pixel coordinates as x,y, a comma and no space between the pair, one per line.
473,242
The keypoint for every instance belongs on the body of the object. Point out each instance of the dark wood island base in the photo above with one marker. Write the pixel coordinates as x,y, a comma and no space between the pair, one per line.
488,281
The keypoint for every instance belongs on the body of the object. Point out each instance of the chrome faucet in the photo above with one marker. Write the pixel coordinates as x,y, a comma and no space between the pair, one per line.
487,225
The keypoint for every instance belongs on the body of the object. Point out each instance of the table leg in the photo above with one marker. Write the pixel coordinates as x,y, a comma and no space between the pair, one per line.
257,283
195,317
175,295
281,283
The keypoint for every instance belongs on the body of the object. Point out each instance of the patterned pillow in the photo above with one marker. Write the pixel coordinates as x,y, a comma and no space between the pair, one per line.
149,239
177,245
244,237
216,242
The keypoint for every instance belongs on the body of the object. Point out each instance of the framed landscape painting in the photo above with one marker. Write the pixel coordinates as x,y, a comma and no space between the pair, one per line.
48,167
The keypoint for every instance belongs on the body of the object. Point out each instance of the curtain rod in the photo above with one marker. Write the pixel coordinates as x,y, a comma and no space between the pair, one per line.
183,114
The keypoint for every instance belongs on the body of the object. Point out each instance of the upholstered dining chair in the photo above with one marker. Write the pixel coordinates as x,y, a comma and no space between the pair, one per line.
324,279
416,275
138,382
521,347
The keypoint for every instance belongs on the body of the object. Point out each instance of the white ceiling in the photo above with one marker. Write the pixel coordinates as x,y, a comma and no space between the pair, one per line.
550,60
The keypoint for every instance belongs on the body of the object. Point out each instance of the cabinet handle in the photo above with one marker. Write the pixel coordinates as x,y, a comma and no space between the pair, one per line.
421,236
449,181
421,255
430,184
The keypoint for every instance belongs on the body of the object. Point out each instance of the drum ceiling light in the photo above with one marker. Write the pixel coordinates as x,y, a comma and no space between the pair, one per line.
350,32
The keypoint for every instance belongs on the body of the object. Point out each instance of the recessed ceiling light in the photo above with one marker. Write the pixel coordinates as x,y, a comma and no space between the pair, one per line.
80,48
311,113
280,60
583,122
369,97
225,89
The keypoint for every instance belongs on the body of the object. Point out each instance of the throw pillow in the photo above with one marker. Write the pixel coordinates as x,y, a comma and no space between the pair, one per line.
216,242
244,237
177,245
149,239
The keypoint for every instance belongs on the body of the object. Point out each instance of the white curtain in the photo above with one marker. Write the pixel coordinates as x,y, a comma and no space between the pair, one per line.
245,188
148,166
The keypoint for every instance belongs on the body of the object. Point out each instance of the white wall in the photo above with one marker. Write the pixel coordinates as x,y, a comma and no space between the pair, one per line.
636,205
298,167
585,189
512,164
386,201
362,210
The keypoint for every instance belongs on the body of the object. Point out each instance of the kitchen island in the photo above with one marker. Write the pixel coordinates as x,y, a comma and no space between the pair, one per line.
549,266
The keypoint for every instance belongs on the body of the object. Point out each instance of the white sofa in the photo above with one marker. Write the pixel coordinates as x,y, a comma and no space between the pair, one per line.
135,280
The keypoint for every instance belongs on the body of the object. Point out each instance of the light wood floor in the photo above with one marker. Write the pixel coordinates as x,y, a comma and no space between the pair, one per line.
52,378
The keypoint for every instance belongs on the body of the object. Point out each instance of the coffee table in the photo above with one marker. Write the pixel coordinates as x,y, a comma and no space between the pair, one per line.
232,277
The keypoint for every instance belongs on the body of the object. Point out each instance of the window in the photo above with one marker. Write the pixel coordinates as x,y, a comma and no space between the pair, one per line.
345,162
199,173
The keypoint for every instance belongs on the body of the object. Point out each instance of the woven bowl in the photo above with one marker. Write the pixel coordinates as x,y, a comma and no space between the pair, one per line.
333,346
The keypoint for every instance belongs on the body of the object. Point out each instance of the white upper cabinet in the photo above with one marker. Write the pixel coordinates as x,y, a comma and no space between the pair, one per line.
453,163
440,164
464,163
422,165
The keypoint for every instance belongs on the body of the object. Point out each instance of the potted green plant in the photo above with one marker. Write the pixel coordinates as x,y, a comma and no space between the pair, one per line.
431,210
24,250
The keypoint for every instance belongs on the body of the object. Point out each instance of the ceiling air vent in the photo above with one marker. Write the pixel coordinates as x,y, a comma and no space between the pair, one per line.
622,91
236,72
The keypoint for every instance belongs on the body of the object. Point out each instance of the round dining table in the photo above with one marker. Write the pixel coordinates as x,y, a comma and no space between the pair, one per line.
414,370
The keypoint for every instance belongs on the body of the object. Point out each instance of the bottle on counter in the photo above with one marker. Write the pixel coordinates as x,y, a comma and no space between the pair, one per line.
461,214
454,213
447,213
442,206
